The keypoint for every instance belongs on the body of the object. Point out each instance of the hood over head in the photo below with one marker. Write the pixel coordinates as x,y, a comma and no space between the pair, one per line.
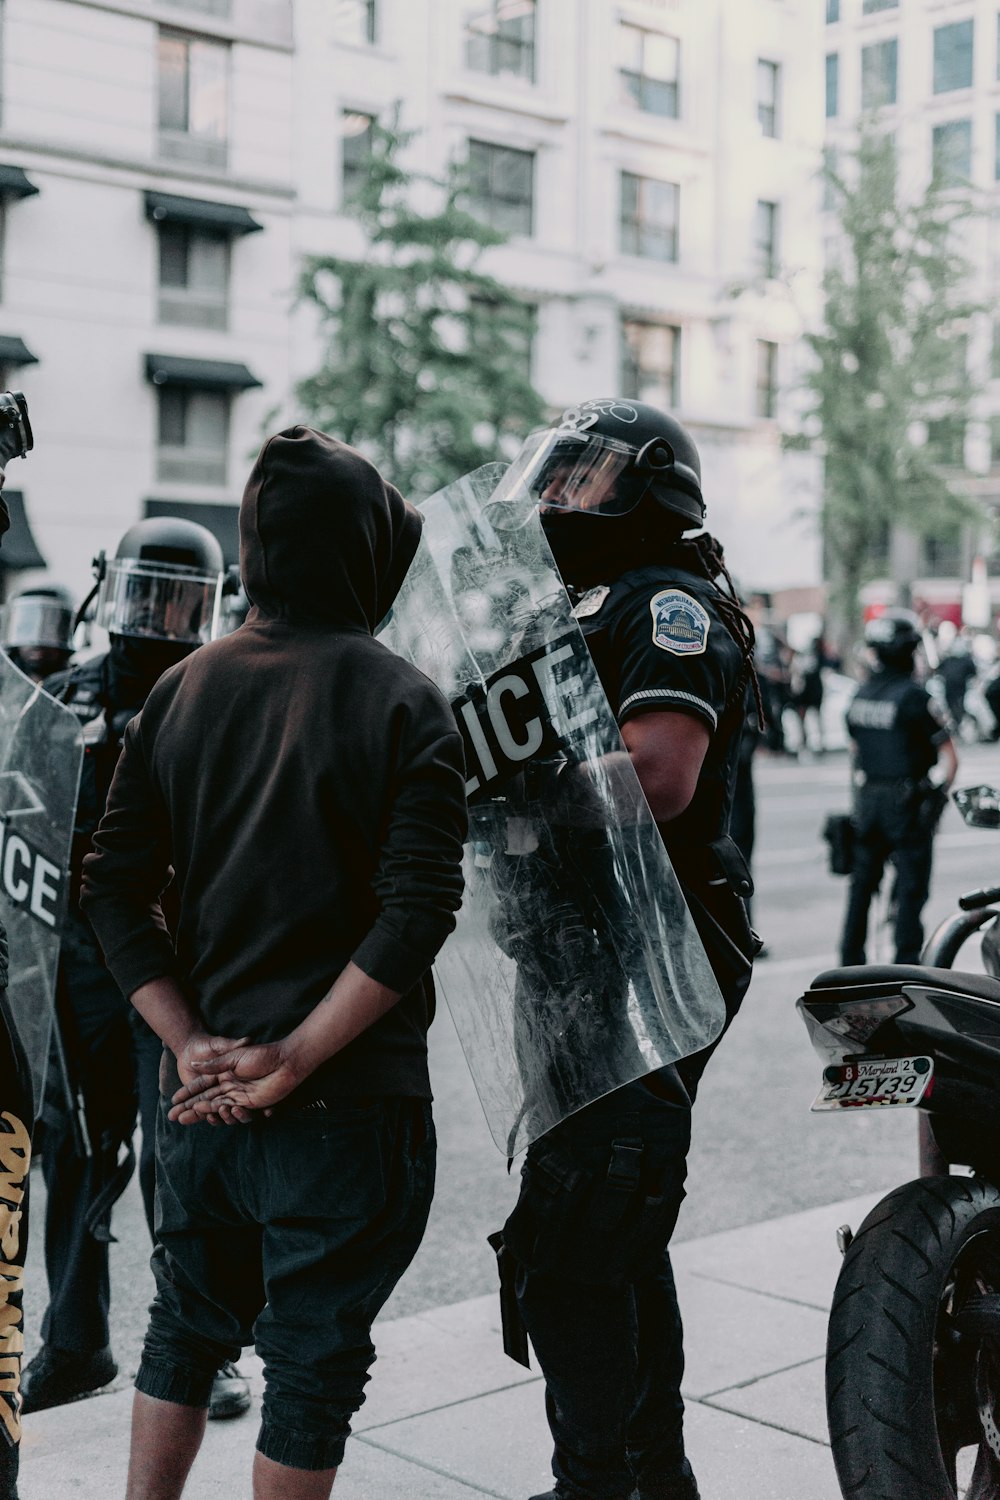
324,539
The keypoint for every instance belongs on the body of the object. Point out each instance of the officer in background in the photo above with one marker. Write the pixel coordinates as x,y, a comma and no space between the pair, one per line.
38,630
905,762
158,599
672,649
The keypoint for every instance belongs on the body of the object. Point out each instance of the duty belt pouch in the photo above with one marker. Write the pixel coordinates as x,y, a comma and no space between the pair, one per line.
590,1218
838,831
515,1335
721,863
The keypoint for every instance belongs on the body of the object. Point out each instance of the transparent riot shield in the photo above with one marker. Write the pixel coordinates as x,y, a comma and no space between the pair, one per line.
576,966
41,752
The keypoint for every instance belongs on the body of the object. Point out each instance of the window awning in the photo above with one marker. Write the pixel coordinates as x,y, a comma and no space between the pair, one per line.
221,520
14,351
198,212
199,374
14,183
18,549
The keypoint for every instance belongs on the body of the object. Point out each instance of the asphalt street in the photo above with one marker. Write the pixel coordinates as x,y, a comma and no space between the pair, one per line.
758,1152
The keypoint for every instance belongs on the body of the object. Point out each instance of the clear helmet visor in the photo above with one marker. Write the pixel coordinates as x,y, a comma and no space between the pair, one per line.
557,470
37,621
159,603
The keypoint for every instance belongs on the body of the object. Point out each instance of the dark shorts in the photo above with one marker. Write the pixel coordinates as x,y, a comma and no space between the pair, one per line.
289,1233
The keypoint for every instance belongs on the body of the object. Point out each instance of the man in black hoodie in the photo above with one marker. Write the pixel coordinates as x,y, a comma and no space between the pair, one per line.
306,786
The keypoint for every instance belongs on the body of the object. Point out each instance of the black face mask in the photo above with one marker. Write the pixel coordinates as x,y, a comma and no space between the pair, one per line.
594,549
137,663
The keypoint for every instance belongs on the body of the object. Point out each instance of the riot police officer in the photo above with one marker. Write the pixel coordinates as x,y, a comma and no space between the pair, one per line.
899,737
38,630
618,487
158,598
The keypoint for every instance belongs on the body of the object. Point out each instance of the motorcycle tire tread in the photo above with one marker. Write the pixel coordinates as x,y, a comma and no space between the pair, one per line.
879,1373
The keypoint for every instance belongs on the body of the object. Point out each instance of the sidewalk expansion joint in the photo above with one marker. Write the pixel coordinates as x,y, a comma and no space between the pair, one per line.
419,1463
739,1286
731,1411
427,1411
743,1385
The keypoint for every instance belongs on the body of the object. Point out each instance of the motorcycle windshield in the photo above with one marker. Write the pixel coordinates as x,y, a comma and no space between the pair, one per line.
41,752
576,966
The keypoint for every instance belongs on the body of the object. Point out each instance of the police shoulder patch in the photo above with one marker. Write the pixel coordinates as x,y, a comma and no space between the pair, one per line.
680,623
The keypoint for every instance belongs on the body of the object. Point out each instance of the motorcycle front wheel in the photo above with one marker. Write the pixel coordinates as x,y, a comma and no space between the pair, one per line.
913,1355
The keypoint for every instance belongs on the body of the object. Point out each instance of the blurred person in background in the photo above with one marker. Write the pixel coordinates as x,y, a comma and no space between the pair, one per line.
38,629
158,598
956,670
771,658
904,762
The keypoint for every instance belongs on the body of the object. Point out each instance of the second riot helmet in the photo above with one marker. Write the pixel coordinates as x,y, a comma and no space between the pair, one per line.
164,582
894,636
606,456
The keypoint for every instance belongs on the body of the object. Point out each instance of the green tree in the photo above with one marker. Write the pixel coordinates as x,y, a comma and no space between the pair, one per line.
426,359
890,366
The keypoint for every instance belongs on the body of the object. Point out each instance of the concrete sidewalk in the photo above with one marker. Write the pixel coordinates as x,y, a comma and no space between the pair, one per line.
449,1417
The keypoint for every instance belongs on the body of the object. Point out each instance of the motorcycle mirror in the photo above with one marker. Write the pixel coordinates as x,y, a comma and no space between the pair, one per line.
979,806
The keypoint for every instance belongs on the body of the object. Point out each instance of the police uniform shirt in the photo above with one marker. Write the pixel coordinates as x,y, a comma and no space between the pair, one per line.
659,643
896,726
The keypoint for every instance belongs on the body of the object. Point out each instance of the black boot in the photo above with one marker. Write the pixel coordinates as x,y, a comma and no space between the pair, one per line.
56,1376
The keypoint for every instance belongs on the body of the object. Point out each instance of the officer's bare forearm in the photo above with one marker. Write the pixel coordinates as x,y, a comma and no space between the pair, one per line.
948,761
164,1006
353,1003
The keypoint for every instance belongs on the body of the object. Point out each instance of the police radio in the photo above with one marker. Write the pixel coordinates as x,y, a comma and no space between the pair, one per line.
16,438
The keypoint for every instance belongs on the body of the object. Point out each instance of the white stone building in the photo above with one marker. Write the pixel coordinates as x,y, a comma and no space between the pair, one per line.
931,71
164,164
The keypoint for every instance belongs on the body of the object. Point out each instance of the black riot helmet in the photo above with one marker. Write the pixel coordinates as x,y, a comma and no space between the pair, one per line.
894,637
39,616
607,456
164,582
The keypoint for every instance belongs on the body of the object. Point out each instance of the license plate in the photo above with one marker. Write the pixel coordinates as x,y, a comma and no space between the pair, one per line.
875,1081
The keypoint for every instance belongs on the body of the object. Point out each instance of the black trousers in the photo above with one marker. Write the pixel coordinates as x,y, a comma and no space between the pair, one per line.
16,1105
599,1199
886,825
113,1060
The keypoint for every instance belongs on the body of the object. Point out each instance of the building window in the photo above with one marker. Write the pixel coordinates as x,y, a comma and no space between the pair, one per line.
356,131
996,148
649,69
767,378
953,57
502,186
193,99
500,39
651,363
356,21
868,7
650,217
832,86
994,442
193,436
951,153
194,276
766,238
830,168
510,324
879,73
832,11
768,84
995,351
223,8
946,442
942,553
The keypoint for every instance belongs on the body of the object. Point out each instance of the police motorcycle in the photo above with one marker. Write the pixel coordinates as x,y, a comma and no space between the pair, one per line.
913,1352
576,966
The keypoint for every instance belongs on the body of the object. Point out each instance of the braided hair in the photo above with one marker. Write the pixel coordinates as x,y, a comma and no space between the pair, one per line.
703,555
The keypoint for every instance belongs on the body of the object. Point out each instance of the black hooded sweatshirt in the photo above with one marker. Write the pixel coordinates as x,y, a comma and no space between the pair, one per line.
305,785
